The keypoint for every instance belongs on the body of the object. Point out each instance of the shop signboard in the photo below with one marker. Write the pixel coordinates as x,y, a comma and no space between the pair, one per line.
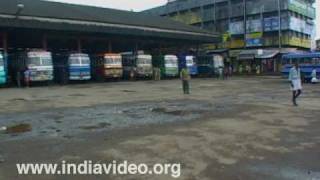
254,39
254,25
271,23
236,27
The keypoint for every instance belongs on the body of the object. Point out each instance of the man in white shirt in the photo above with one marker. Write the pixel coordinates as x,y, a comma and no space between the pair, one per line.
296,85
314,79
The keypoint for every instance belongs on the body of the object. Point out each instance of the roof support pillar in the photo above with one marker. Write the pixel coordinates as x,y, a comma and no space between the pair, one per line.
109,47
79,45
135,48
5,47
45,42
160,49
5,42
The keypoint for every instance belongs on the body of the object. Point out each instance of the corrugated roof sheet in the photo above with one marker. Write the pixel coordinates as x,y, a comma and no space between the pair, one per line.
46,9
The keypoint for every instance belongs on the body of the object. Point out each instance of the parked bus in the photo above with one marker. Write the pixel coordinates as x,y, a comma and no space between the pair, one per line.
38,64
209,65
168,65
137,66
79,67
3,71
307,62
190,63
107,66
113,66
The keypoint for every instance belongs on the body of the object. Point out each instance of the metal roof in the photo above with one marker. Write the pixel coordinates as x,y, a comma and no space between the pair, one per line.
302,55
60,16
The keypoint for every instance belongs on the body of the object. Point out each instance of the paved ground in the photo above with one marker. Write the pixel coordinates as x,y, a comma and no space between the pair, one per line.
240,129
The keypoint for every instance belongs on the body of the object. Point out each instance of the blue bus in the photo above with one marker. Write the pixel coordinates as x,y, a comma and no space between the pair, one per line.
79,67
307,62
189,62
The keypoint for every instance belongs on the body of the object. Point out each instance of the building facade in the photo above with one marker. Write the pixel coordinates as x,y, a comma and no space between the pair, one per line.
249,27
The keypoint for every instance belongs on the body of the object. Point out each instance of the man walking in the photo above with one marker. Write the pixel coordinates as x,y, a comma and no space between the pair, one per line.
295,80
185,77
314,79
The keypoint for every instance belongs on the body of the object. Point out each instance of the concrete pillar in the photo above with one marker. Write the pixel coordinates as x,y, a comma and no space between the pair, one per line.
45,42
109,47
5,42
136,48
79,45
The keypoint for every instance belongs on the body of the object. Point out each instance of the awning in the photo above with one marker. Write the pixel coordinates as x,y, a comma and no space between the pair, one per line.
217,51
234,53
257,54
247,55
267,54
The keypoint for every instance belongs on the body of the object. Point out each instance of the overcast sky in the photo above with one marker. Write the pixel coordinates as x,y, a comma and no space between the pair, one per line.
138,5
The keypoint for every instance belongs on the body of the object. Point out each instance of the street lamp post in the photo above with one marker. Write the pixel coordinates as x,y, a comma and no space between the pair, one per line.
279,34
245,22
279,29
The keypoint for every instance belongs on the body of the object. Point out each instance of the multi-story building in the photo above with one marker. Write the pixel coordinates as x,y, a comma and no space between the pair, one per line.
249,27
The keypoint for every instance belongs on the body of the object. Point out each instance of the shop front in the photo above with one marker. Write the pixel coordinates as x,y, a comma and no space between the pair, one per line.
258,61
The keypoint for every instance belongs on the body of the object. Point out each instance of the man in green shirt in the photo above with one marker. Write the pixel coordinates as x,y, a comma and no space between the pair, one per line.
185,77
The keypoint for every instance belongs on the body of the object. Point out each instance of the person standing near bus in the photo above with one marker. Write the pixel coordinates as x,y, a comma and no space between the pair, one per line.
296,85
314,79
27,74
185,77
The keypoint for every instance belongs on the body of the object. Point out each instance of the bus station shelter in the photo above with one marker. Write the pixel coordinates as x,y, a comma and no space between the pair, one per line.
53,26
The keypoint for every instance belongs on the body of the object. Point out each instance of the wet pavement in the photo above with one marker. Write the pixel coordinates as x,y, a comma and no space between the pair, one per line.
68,122
240,129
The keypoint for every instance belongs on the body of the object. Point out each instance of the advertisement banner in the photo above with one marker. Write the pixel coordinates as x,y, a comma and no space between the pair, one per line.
254,25
254,39
271,23
236,27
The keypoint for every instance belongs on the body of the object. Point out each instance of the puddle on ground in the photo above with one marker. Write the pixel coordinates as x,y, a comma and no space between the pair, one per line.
71,121
171,112
20,128
98,126
20,99
77,95
129,91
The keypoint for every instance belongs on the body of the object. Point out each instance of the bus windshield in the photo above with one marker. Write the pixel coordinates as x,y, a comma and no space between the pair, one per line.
144,61
40,60
34,61
189,60
79,60
112,60
85,60
74,60
46,61
171,61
